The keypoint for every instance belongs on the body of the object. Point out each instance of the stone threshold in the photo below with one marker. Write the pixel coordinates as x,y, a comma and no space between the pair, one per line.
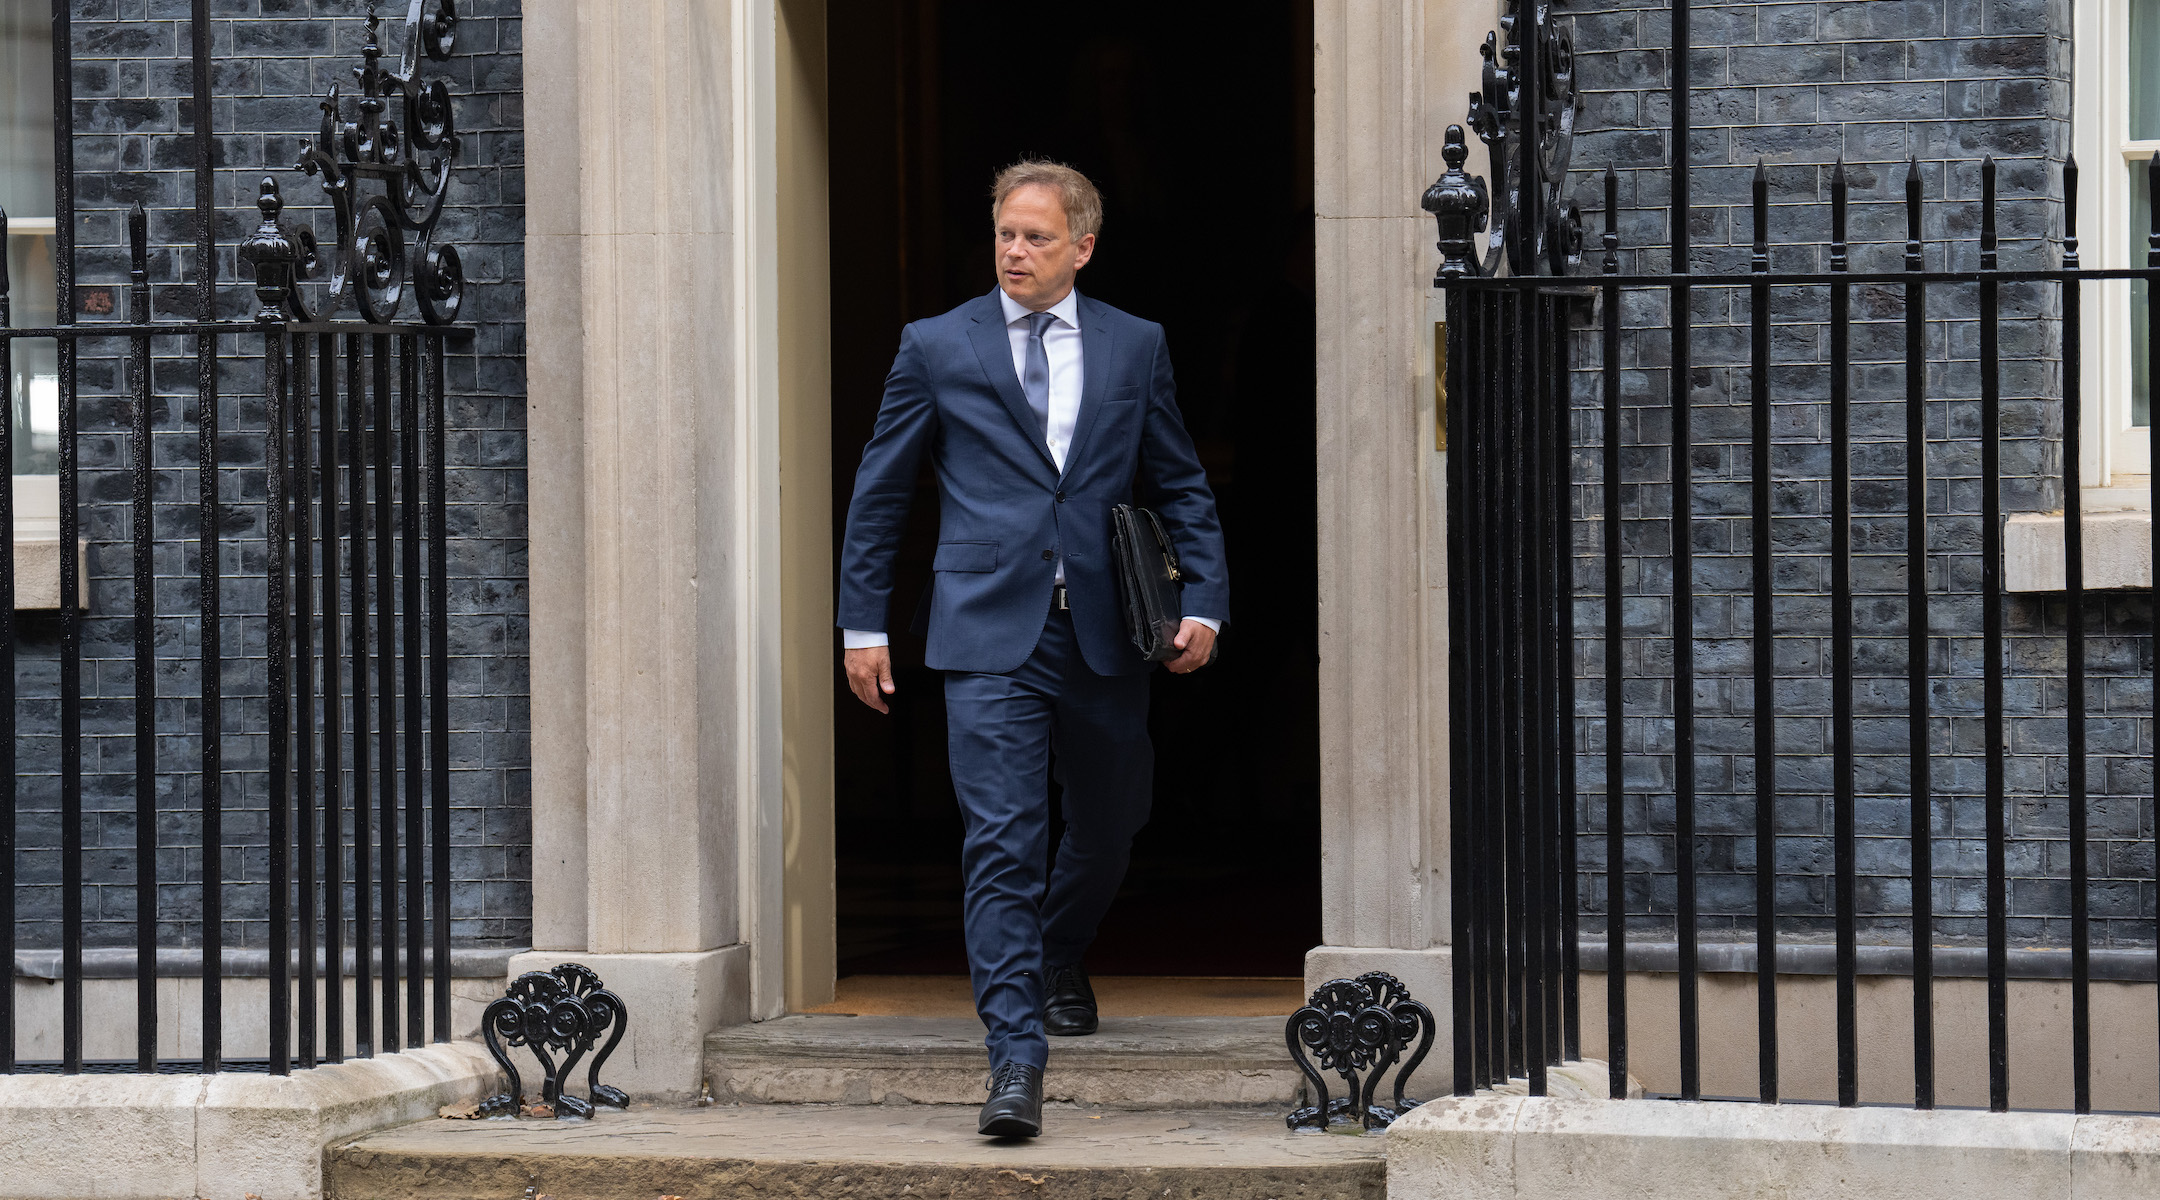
1131,1062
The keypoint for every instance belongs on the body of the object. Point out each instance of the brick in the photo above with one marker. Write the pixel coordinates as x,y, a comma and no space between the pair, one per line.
1947,81
133,143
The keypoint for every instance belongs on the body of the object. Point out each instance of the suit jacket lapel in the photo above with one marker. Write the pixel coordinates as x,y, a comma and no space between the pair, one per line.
994,348
1096,342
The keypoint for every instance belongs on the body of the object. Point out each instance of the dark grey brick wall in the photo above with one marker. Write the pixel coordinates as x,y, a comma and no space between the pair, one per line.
274,58
1796,86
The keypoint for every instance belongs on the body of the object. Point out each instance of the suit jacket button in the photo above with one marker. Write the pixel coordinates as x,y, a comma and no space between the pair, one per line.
1061,497
1048,555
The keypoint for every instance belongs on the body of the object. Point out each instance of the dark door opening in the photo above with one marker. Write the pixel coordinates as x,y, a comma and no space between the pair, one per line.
1196,122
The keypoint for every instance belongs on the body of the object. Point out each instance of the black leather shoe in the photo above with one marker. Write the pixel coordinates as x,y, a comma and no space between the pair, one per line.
1014,1108
1068,1002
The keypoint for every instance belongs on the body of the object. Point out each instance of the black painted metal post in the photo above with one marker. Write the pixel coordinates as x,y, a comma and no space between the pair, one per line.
416,822
1460,587
439,679
358,407
209,527
301,498
2074,636
1683,551
1518,763
1998,950
71,818
1765,651
141,464
1537,745
1531,553
1466,454
276,472
273,253
1570,933
1501,752
1559,671
1916,662
1841,647
386,686
333,803
1616,1046
1492,888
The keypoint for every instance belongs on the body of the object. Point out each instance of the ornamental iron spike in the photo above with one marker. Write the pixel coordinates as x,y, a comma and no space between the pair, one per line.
275,253
1459,203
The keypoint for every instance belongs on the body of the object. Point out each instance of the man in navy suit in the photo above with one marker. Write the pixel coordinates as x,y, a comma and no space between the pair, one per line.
1039,409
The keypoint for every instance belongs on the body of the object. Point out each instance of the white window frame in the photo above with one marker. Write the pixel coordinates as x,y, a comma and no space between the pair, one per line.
2116,454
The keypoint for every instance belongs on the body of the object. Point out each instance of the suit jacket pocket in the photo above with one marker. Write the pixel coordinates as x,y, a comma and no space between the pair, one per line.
965,556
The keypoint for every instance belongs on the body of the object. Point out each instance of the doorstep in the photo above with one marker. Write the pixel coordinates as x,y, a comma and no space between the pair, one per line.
1130,1063
855,1153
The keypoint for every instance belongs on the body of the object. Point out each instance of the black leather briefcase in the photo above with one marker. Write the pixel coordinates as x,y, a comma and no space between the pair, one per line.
1148,581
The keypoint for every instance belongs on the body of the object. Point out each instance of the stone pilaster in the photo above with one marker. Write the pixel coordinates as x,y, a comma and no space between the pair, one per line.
655,579
1389,75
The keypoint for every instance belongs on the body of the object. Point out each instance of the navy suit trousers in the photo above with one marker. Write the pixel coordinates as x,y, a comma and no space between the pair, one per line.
1006,730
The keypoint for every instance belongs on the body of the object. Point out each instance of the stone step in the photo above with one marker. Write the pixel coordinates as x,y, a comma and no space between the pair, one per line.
1131,1063
856,1153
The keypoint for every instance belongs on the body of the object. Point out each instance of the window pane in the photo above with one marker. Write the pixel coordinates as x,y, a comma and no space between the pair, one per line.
2140,297
26,134
33,385
26,192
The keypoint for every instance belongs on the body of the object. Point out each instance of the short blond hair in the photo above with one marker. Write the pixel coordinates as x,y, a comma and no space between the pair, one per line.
1082,203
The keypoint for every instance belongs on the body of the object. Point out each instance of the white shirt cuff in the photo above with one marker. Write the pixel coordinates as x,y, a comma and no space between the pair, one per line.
1213,625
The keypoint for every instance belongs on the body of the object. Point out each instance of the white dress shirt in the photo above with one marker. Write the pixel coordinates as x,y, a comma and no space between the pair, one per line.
1061,344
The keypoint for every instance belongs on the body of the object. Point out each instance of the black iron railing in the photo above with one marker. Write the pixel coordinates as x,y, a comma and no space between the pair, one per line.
1512,551
347,468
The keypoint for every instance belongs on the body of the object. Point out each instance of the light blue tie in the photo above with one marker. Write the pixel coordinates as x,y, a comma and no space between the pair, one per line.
1035,380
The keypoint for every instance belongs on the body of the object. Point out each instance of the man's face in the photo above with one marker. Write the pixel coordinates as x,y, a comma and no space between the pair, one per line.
1036,254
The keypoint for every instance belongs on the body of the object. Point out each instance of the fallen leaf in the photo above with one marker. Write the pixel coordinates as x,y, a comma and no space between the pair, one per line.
459,1112
540,1110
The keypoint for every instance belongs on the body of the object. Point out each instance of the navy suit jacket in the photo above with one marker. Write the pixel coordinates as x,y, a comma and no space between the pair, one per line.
1006,513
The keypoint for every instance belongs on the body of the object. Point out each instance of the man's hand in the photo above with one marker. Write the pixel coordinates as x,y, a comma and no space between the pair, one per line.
1195,639
869,675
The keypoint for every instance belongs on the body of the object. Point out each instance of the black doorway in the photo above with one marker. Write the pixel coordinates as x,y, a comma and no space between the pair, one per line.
1196,121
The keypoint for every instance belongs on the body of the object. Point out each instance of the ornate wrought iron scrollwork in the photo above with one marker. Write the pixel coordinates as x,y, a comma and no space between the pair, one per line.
386,241
564,1011
1527,94
1358,1029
